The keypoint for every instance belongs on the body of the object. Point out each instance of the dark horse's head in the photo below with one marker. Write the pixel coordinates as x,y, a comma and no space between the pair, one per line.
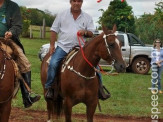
112,52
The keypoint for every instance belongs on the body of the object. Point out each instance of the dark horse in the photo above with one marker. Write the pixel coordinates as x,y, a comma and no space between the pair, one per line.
7,78
78,82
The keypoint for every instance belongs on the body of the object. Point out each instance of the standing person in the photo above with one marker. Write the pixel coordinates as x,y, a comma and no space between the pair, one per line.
10,28
66,25
157,66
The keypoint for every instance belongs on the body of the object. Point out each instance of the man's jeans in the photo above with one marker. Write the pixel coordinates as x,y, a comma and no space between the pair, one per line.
55,61
99,75
157,80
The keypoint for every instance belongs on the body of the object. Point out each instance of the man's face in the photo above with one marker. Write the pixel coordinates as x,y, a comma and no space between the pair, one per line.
76,5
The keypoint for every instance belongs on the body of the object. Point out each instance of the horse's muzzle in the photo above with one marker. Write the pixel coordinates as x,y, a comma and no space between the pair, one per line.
120,67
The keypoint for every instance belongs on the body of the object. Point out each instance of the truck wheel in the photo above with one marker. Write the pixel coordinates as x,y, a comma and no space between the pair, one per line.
141,65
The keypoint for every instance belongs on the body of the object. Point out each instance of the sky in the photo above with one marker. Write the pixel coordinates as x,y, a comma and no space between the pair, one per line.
90,6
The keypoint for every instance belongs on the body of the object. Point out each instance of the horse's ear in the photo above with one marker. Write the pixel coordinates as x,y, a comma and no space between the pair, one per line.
104,29
114,28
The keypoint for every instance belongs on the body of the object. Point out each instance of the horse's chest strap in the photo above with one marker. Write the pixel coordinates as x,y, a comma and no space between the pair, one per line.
79,74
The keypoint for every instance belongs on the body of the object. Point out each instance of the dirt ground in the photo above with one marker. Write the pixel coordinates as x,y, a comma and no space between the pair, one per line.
22,115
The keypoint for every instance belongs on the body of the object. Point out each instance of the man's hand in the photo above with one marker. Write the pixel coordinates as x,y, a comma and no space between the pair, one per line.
81,32
159,63
51,50
8,35
85,33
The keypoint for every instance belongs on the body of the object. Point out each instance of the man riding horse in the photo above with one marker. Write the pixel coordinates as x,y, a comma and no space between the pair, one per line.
66,25
10,28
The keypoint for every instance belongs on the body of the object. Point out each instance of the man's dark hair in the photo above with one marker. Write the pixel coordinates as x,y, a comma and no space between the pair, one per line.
72,0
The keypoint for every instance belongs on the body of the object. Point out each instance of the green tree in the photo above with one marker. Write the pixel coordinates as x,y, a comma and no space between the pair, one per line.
26,24
150,26
119,13
36,16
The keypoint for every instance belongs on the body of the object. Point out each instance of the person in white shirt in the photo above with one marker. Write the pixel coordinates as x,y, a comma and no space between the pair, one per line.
157,66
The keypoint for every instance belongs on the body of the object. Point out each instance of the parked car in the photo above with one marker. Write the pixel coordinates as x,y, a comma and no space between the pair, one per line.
135,53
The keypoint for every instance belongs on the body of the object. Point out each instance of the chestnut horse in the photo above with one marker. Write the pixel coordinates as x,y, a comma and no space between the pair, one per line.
78,81
7,78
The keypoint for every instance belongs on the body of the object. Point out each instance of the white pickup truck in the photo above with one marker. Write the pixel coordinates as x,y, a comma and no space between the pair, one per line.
135,53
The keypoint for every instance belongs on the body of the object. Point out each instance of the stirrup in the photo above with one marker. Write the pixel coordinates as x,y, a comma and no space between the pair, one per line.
107,91
32,95
102,94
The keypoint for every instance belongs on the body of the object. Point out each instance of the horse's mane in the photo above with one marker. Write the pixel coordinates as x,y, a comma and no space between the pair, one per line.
10,43
94,39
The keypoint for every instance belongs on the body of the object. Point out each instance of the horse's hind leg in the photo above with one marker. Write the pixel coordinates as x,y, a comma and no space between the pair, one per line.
67,109
5,110
91,107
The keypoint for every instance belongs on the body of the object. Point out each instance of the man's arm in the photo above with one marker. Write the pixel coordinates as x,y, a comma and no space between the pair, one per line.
53,38
15,22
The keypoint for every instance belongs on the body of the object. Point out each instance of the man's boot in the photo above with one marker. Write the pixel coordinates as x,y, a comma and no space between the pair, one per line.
49,94
102,94
52,92
28,100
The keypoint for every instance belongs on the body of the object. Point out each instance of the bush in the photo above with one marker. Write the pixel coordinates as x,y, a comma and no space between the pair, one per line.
26,24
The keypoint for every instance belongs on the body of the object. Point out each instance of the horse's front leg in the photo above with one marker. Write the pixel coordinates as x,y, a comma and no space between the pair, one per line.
91,107
67,109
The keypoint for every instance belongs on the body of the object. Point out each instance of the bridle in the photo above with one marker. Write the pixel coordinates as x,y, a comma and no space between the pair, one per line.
108,49
3,68
107,46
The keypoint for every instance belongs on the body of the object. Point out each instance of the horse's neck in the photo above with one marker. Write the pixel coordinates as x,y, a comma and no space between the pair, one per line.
90,51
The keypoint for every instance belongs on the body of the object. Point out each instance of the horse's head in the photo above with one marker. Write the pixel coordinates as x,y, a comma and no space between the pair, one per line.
112,52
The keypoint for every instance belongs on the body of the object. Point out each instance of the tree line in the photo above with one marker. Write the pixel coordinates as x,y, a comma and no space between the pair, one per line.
36,16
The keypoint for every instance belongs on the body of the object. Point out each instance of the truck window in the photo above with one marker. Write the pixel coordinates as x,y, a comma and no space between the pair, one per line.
121,39
134,41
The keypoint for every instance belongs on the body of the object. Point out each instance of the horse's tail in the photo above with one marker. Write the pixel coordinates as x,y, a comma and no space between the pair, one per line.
55,108
58,104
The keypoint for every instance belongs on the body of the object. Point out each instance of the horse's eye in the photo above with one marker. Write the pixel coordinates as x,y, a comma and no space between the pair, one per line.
111,45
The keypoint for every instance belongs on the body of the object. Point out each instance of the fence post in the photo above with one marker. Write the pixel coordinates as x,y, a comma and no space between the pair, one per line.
43,29
31,35
41,32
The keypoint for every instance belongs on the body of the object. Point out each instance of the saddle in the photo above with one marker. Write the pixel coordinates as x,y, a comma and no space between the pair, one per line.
68,58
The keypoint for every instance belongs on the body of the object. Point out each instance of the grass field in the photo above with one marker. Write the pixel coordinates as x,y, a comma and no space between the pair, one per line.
129,92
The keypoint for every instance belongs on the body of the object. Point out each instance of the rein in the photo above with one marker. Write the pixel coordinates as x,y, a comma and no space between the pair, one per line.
79,37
